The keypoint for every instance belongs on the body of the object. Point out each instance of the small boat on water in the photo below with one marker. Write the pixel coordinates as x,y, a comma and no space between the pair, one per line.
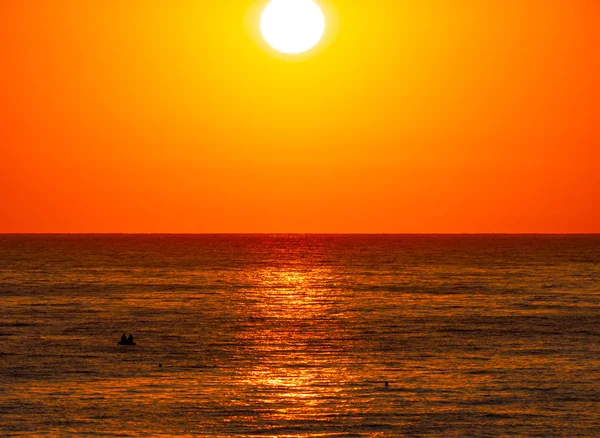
126,343
126,340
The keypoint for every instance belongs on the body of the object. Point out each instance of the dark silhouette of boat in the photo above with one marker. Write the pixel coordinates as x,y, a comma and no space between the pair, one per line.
126,343
126,340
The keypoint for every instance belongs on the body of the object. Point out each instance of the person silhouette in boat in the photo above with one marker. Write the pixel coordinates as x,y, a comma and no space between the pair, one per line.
126,340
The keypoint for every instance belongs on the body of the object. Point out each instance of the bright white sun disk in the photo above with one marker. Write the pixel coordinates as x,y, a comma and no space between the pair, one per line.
292,26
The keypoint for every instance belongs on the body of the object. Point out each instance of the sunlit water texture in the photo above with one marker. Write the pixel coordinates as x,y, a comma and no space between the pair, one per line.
295,336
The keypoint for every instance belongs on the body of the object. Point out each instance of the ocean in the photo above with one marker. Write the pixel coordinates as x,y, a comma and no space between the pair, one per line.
296,335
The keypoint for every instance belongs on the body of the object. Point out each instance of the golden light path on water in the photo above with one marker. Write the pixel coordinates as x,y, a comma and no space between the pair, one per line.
297,376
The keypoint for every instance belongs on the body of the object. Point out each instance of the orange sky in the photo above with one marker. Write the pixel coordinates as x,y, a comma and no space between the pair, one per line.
413,116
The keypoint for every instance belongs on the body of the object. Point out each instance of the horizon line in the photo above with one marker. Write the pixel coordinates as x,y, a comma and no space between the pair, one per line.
300,234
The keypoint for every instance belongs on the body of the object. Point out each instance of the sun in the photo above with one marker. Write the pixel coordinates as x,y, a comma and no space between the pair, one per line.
292,26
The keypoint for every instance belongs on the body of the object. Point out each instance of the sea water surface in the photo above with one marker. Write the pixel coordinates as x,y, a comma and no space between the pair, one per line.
295,335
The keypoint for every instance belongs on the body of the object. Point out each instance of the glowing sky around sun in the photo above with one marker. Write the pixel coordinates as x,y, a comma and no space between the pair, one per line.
411,116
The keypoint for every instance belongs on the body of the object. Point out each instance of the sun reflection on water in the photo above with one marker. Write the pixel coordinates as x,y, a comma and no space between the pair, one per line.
297,348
